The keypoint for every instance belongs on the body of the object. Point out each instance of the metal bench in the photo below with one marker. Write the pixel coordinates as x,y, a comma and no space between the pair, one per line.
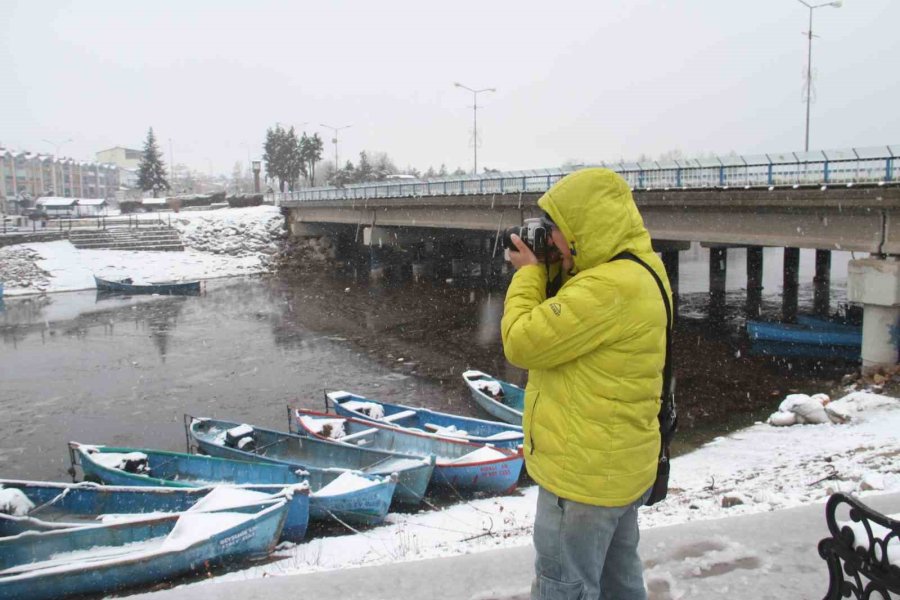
859,551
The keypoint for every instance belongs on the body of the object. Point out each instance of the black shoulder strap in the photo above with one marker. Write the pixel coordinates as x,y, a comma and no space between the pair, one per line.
668,420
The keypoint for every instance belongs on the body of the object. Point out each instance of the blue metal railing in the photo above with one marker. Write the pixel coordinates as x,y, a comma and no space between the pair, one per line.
823,167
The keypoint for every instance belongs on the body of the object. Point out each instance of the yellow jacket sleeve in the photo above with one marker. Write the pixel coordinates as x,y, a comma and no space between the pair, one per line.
541,333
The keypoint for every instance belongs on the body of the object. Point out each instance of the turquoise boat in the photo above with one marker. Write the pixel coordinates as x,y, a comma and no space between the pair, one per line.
459,464
810,337
245,442
503,400
103,559
437,424
53,505
168,288
365,503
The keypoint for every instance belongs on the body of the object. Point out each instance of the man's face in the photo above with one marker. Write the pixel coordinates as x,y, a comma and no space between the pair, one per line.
559,240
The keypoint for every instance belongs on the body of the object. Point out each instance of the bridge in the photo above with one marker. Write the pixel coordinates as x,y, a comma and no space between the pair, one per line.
824,200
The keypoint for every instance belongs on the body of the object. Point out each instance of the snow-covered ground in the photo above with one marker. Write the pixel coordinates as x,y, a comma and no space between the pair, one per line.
218,243
758,469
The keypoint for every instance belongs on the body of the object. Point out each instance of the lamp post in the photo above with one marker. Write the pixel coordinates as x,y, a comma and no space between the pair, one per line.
57,146
334,140
257,166
812,7
474,119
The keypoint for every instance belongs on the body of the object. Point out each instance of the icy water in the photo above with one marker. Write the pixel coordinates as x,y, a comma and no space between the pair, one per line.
125,371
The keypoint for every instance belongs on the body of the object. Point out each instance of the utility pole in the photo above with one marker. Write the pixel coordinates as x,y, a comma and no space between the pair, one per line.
334,140
812,7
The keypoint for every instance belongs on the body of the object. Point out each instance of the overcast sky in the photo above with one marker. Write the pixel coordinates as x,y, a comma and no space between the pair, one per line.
589,81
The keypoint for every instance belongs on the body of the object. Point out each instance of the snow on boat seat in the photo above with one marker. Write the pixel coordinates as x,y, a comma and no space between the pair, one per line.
370,409
331,428
345,483
450,431
491,388
399,416
195,527
483,454
130,462
223,497
14,502
504,435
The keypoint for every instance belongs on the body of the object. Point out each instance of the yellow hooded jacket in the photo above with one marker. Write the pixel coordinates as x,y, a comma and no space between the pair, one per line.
595,351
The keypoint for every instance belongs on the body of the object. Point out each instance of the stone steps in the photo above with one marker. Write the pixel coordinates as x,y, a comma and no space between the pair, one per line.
150,238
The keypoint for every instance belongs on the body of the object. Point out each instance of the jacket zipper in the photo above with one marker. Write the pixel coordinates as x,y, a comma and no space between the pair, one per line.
531,422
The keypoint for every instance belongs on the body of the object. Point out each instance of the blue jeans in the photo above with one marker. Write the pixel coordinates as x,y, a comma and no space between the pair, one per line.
586,552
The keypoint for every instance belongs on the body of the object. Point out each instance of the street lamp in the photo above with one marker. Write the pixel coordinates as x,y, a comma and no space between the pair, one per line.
474,118
812,7
257,166
56,159
334,140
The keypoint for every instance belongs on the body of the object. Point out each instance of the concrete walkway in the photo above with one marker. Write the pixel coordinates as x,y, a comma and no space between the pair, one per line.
765,556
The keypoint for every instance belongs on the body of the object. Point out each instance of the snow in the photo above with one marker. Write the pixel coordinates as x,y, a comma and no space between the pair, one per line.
861,538
220,243
761,468
345,483
196,527
483,454
240,431
330,428
14,502
370,409
491,388
117,460
224,497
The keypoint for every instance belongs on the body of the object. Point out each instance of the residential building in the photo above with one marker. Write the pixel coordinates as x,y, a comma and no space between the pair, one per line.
124,158
27,175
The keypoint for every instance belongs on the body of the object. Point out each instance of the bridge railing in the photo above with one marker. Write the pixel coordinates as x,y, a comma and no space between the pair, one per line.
828,167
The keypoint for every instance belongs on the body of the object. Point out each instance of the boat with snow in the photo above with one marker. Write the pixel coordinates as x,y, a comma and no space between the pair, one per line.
459,464
810,337
46,505
438,424
163,288
354,498
501,399
102,559
245,442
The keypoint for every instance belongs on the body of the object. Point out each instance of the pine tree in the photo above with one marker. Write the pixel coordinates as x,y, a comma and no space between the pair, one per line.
151,169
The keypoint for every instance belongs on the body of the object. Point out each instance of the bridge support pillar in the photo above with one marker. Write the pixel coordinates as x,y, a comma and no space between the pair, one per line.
875,282
822,283
718,262
791,284
670,262
753,306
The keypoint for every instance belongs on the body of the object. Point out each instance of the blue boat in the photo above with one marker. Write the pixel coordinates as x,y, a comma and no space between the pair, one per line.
102,559
245,442
501,399
168,288
364,504
811,337
438,424
52,505
459,465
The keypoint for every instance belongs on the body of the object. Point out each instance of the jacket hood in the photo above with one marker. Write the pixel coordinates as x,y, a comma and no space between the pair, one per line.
595,211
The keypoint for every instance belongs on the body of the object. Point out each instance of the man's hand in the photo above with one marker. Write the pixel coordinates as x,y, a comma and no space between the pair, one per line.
522,256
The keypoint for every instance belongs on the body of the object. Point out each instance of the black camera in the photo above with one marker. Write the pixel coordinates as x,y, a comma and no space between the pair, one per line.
534,232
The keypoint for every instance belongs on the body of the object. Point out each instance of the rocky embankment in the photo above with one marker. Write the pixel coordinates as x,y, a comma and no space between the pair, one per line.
18,269
237,232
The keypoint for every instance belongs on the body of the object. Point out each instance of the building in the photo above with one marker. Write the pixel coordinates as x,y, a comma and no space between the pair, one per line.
26,175
124,158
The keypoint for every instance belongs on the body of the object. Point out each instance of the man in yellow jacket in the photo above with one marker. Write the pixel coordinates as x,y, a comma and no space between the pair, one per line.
595,353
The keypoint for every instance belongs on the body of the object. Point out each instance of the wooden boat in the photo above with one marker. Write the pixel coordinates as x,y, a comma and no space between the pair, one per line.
813,338
101,559
52,505
168,288
501,399
254,443
364,504
439,424
459,464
